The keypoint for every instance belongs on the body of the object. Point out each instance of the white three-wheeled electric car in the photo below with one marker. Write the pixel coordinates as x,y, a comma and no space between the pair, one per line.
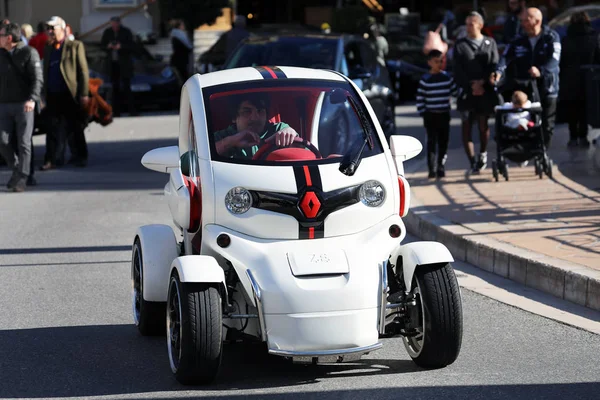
288,203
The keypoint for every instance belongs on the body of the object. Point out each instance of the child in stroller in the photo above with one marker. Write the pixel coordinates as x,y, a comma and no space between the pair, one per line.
520,120
519,132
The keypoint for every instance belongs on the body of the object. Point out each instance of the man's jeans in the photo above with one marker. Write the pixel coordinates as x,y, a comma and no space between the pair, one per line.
14,121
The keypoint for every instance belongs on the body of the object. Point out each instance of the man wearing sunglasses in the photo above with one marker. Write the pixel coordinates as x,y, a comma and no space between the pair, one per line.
20,87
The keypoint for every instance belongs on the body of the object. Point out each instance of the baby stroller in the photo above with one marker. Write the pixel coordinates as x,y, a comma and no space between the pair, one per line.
521,145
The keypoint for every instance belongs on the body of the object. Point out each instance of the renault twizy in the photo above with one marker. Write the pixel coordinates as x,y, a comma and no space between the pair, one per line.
288,231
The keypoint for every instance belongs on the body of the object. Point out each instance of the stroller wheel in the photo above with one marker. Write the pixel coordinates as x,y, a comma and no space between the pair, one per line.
495,170
549,168
539,171
505,172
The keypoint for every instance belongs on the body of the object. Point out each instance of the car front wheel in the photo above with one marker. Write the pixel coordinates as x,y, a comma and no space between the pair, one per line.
194,329
436,339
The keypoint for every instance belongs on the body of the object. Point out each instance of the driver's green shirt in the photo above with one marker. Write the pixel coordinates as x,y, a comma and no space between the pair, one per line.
248,151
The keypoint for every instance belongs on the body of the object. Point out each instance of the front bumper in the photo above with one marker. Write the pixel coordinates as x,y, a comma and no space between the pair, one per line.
322,314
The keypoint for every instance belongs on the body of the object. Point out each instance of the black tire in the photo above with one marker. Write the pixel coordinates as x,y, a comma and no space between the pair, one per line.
549,171
195,330
441,314
148,316
505,173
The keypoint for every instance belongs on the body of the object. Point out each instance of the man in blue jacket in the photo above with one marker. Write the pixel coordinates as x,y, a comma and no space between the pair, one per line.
536,55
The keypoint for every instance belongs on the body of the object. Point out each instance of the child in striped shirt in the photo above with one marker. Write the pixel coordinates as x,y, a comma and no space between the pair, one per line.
433,104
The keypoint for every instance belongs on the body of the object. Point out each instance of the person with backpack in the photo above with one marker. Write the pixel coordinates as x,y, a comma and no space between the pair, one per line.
20,90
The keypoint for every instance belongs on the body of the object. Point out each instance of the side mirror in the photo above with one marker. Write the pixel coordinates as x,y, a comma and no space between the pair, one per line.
162,159
404,148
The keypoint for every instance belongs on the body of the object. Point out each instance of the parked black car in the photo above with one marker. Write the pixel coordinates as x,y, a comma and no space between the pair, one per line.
350,55
154,84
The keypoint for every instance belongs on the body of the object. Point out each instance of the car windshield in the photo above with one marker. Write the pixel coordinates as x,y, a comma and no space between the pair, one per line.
260,122
292,51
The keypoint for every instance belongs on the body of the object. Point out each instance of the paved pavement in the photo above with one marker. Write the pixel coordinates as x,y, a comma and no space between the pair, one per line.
554,221
66,329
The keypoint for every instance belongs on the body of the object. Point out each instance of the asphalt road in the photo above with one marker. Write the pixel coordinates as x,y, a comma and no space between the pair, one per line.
66,327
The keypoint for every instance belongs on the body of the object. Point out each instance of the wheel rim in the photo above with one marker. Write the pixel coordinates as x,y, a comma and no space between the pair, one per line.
137,284
174,325
414,344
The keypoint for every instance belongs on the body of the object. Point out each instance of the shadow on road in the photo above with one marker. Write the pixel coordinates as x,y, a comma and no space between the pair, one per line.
115,359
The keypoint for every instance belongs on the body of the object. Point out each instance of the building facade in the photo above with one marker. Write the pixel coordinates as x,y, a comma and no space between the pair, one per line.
82,15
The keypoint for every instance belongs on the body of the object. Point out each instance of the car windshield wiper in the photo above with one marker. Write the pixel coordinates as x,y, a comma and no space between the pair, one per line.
352,159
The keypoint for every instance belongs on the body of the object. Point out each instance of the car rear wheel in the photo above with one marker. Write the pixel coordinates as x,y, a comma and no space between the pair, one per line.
148,316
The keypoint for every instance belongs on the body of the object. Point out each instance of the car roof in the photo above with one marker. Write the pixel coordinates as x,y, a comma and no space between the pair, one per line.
571,10
254,74
264,38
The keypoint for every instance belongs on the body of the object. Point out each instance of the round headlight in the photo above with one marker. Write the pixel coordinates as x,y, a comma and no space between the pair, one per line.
372,194
238,200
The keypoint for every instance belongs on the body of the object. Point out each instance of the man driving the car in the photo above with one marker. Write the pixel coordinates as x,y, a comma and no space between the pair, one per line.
249,128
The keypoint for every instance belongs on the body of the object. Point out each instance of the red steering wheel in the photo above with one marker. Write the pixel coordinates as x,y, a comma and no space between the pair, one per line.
299,143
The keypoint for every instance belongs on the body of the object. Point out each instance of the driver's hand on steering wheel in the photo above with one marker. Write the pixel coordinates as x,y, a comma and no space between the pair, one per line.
245,138
284,137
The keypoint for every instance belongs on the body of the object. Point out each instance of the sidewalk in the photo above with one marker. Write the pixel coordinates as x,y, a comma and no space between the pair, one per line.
540,232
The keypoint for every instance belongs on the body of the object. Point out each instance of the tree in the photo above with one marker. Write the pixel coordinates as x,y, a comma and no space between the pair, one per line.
193,12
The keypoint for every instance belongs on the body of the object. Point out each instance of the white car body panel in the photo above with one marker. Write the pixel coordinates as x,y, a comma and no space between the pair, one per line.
159,249
420,253
198,269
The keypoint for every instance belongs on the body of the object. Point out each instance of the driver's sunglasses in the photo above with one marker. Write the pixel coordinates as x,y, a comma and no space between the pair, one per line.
49,28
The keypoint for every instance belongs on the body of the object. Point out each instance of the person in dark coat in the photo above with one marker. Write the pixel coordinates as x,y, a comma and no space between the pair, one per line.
236,34
512,26
182,49
475,60
581,46
535,56
119,45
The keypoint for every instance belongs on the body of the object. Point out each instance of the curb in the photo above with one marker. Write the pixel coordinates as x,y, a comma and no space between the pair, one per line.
566,280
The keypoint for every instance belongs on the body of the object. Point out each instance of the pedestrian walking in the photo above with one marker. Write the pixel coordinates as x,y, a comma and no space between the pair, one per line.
21,83
475,61
26,33
433,104
512,26
581,46
40,39
66,89
119,45
181,59
536,56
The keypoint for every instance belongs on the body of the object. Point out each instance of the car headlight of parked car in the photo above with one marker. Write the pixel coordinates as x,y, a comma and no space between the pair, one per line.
238,200
372,194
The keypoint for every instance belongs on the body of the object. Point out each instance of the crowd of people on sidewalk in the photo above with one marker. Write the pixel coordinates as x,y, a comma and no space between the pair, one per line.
535,59
45,85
